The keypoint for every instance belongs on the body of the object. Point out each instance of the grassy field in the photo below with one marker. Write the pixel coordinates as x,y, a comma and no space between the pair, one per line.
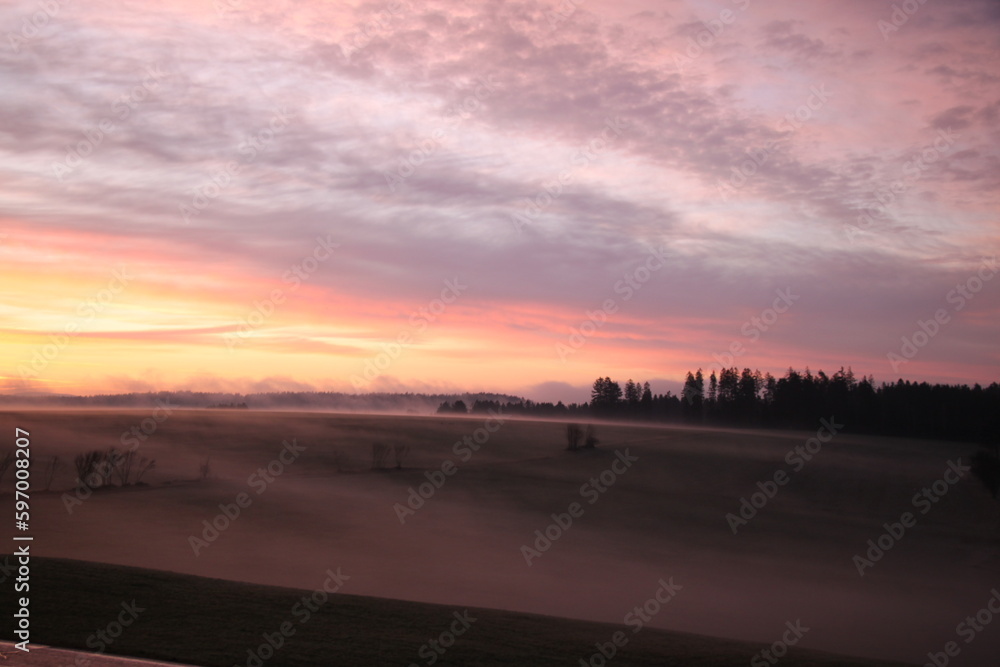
663,517
215,623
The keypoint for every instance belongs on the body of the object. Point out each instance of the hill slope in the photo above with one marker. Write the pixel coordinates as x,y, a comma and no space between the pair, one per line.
214,622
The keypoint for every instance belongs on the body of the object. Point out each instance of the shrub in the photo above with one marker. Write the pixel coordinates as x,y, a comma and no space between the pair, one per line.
573,436
92,469
95,468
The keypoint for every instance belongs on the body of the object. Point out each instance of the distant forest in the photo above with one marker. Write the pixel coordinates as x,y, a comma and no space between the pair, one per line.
797,400
279,400
730,398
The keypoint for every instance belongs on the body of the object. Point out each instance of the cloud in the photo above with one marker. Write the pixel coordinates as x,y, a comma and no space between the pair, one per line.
211,151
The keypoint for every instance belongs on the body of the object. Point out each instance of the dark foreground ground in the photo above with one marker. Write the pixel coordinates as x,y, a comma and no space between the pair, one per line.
215,623
48,656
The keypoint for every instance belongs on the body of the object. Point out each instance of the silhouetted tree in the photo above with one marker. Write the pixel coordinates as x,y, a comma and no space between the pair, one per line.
692,396
632,393
798,400
646,401
605,396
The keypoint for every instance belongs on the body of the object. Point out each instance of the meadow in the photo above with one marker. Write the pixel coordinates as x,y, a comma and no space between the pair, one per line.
487,513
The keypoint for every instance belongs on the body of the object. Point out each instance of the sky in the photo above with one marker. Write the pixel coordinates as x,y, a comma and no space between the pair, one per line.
495,196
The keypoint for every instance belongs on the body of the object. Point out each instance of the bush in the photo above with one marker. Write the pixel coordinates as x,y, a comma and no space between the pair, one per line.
92,469
573,436
95,468
129,467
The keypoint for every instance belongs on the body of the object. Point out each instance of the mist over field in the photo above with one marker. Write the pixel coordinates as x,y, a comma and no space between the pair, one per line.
664,517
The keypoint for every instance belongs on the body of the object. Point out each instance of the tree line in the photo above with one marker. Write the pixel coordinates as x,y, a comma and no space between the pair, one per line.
749,398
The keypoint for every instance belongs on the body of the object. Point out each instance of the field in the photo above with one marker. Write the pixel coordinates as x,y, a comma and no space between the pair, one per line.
661,517
199,621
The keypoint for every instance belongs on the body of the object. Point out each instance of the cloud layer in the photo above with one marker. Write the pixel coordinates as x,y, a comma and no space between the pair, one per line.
525,192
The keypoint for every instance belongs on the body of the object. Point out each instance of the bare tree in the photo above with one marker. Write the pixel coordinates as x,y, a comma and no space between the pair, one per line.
50,472
121,464
130,466
573,435
142,466
590,441
205,469
105,469
6,462
380,455
399,452
92,468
